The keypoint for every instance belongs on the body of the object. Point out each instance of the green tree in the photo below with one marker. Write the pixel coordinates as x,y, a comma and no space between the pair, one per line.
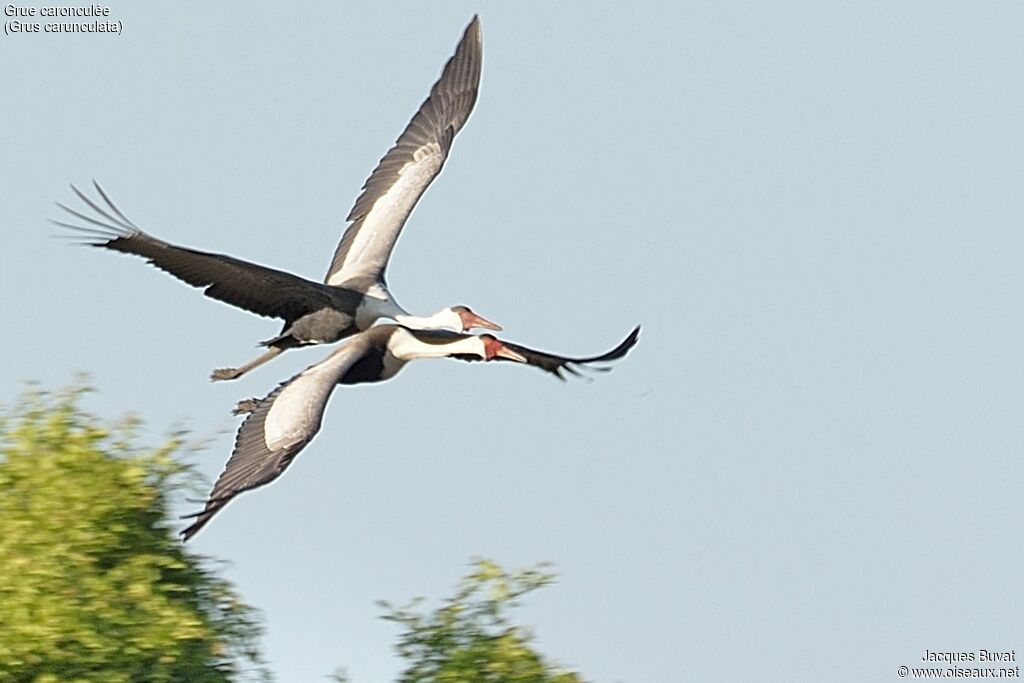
93,584
470,638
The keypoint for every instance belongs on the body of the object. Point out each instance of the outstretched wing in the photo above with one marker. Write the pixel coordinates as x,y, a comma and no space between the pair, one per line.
278,427
549,362
408,168
260,290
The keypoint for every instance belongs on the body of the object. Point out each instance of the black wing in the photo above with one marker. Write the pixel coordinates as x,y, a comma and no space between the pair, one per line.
549,362
260,290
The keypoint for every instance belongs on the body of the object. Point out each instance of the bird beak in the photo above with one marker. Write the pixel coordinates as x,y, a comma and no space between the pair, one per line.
505,352
495,348
471,320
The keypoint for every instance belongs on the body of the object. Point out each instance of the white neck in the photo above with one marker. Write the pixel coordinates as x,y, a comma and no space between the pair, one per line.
445,319
373,308
404,346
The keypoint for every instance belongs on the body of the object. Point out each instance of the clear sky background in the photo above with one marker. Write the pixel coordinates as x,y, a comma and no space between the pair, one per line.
810,467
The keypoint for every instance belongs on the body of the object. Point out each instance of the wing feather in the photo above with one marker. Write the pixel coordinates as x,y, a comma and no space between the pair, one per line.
556,365
258,289
408,168
278,427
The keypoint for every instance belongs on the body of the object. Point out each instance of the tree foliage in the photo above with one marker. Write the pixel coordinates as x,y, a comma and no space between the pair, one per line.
470,638
94,586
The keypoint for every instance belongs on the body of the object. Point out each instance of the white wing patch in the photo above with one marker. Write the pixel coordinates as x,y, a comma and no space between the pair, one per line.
381,225
299,408
289,420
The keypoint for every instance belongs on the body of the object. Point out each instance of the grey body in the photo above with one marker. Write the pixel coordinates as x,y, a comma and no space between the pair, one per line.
323,326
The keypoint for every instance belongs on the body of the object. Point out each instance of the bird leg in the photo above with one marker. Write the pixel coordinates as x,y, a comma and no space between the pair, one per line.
235,373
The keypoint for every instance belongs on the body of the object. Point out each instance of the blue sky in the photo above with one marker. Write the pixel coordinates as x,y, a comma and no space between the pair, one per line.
808,469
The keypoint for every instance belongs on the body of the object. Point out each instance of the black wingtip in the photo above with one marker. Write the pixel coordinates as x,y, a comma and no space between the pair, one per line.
190,531
621,350
113,220
113,207
617,353
201,519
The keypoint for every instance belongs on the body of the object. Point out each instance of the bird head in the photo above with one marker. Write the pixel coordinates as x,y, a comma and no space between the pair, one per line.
466,319
495,348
